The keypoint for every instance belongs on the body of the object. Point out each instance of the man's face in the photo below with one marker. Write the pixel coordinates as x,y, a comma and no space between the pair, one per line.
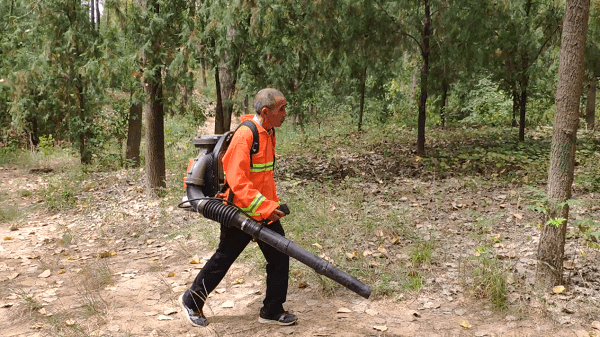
275,114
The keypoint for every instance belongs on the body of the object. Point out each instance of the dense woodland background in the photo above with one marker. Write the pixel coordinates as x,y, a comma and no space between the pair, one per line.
87,74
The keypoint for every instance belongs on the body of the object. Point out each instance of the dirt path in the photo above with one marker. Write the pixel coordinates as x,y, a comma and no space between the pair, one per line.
118,269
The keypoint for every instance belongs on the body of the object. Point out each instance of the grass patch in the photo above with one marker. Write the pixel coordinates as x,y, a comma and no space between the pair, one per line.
10,213
489,281
421,253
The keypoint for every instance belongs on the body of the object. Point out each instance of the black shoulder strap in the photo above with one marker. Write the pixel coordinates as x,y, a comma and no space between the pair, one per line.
255,144
253,149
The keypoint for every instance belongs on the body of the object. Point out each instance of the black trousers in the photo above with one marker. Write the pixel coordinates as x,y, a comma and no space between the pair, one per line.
232,243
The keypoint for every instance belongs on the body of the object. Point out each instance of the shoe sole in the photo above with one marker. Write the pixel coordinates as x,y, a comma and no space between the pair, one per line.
184,313
274,322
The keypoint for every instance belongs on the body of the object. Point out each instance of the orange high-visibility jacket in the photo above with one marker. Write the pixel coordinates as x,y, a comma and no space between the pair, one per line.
253,187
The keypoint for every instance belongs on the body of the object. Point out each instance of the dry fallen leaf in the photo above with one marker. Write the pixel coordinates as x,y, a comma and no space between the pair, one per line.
380,327
352,255
171,274
70,322
367,252
164,318
62,271
227,304
171,311
6,238
45,274
238,280
195,260
558,289
344,311
317,245
466,325
302,284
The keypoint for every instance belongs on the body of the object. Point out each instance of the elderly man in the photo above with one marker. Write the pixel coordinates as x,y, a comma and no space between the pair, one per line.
251,186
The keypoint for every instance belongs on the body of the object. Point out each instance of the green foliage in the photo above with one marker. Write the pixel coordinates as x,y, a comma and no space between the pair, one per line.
486,104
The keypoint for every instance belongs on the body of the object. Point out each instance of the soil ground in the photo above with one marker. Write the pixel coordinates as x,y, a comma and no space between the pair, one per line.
117,268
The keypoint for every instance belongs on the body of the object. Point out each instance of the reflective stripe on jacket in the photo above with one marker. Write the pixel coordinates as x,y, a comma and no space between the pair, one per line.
253,187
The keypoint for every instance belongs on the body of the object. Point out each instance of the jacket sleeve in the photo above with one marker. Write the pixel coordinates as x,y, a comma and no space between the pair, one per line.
236,164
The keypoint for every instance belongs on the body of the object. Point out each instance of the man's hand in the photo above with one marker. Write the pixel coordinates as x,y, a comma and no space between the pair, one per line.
276,215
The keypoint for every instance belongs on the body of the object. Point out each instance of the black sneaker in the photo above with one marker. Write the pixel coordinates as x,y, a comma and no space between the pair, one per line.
284,318
196,318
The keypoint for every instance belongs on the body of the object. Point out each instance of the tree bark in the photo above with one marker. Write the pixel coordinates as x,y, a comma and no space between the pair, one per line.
155,135
515,108
590,106
523,84
97,14
445,88
227,81
363,80
204,69
219,108
562,156
424,76
92,12
85,154
134,134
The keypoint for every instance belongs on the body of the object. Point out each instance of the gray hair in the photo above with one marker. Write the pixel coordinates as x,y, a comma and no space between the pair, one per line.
265,98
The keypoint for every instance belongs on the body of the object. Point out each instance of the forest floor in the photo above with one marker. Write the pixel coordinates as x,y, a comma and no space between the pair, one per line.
116,262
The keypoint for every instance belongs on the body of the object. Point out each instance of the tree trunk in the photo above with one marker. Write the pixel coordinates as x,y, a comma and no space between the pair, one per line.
92,12
97,14
204,69
424,76
363,80
590,106
562,153
219,108
134,134
522,109
85,154
445,89
155,135
515,108
227,81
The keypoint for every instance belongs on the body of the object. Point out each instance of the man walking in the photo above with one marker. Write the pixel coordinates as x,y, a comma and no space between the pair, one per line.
252,188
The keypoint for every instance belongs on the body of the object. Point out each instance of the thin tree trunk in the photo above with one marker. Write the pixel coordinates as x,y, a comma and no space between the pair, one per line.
590,106
522,110
92,12
363,80
444,103
562,154
134,134
219,129
424,75
227,80
515,108
84,152
204,69
97,14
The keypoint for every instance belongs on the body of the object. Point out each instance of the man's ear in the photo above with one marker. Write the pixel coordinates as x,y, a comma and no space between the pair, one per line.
263,111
